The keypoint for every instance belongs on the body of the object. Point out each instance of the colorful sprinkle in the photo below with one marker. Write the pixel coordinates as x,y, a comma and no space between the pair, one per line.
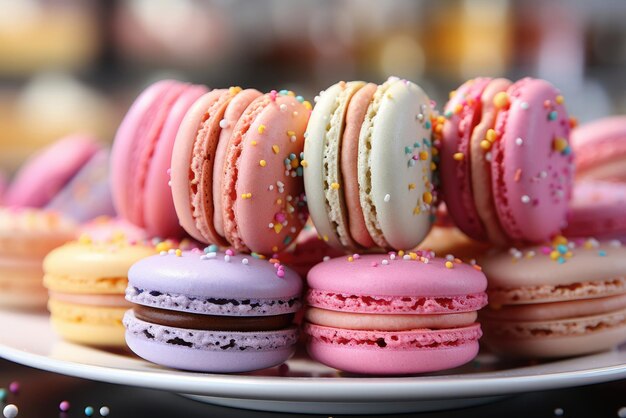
246,195
64,406
491,135
423,155
458,156
553,115
261,129
501,100
89,411
449,264
485,145
335,186
411,186
179,253
14,387
602,253
427,197
275,148
559,99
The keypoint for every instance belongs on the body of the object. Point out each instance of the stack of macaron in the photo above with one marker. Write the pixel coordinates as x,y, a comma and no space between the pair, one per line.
86,281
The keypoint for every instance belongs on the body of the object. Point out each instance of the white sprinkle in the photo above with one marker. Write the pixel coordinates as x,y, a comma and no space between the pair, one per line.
289,198
406,257
306,134
10,411
285,223
169,183
594,242
223,124
449,257
326,258
270,225
392,256
287,173
227,258
293,174
293,230
387,198
384,262
295,113
163,253
488,156
621,413
615,243
280,184
525,199
559,412
171,251
283,107
212,254
292,138
426,261
271,187
473,262
531,254
524,105
543,174
244,261
104,411
519,141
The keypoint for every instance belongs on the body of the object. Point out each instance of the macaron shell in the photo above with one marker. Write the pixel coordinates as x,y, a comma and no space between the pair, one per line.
322,153
193,157
532,182
456,175
125,147
49,170
481,164
399,183
355,115
20,284
411,352
402,278
265,216
597,210
159,212
233,112
598,144
586,265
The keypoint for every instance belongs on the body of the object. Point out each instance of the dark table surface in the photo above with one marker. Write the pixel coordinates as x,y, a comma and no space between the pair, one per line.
41,392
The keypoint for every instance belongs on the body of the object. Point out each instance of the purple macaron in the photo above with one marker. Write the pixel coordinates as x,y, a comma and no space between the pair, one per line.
212,311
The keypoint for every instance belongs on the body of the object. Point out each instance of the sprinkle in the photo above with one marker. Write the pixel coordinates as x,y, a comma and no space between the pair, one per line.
491,135
501,100
211,249
484,144
553,115
234,90
179,253
64,406
560,144
387,198
518,175
307,105
223,124
10,411
423,155
374,264
559,99
283,107
559,412
104,411
253,143
304,163
246,195
244,261
384,262
458,156
477,267
488,156
326,258
525,199
411,186
392,256
427,197
449,257
278,227
227,258
356,256
14,387
89,411
229,252
519,141
350,259
615,243
3,395
524,105
334,186
449,265
261,129
621,413
171,251
280,273
275,148
602,253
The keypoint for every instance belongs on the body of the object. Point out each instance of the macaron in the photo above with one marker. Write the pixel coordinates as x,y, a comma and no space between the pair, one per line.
86,281
212,311
506,164
368,171
26,236
600,148
236,173
557,300
597,210
87,195
393,314
142,153
106,228
48,171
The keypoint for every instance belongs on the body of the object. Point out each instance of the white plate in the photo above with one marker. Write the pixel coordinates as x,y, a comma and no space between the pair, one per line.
302,385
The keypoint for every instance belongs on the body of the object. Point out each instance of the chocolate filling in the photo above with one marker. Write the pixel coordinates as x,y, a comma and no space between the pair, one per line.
212,322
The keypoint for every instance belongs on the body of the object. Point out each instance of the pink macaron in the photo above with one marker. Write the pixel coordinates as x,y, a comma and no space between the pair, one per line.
506,165
600,148
48,171
394,313
597,210
236,172
563,299
142,153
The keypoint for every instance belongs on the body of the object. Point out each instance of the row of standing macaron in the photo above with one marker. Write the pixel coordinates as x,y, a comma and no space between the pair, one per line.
188,126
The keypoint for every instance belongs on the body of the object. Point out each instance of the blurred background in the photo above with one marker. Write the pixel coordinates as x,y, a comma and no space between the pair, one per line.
68,66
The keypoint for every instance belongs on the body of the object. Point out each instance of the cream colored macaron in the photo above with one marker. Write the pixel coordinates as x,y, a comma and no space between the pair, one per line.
368,165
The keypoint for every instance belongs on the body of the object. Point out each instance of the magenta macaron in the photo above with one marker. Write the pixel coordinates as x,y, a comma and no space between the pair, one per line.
142,153
212,311
394,313
506,164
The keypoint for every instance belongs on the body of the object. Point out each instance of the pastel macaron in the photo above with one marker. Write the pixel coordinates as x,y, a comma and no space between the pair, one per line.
600,148
368,171
392,314
48,171
26,236
597,210
506,163
236,173
142,154
86,281
558,300
212,311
